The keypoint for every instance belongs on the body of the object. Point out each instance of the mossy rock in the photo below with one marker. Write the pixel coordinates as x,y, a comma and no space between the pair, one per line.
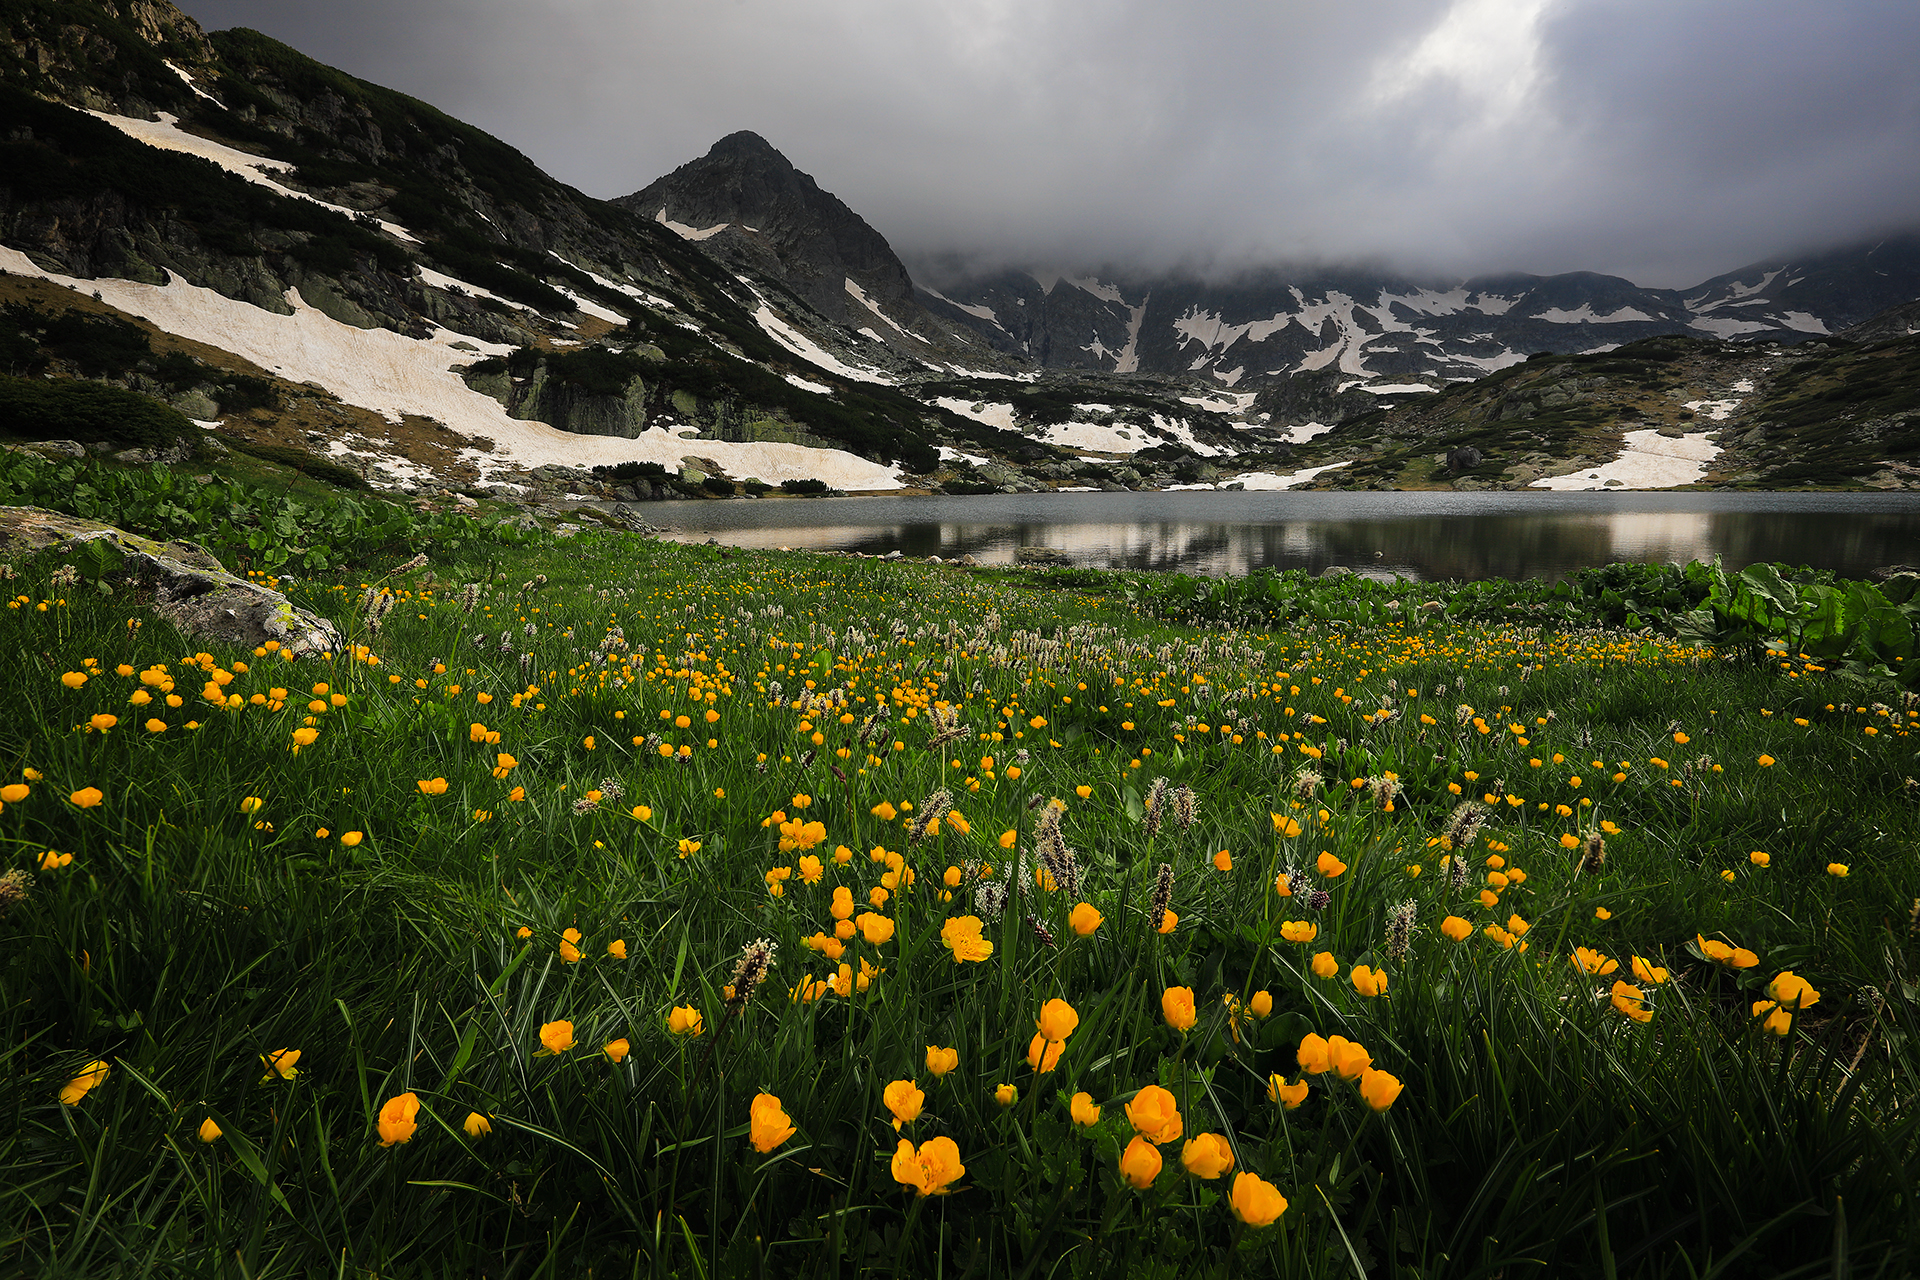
191,589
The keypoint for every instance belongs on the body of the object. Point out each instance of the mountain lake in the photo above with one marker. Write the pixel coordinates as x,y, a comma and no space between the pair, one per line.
1421,536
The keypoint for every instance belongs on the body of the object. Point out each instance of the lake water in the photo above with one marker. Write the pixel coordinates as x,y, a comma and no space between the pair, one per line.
1427,536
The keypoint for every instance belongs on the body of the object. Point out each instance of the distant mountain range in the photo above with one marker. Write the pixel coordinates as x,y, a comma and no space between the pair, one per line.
359,275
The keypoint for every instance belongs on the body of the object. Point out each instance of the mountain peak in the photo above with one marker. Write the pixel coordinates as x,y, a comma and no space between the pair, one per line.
809,238
745,143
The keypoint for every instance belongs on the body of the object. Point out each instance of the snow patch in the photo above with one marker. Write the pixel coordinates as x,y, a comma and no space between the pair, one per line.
685,230
1104,292
435,280
1725,326
1735,292
1128,361
860,296
1121,437
589,307
977,312
1586,315
1269,480
992,413
1718,410
167,135
1395,388
1488,364
190,82
1649,461
804,347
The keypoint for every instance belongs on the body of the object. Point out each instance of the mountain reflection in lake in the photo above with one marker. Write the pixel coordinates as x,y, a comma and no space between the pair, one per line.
1414,535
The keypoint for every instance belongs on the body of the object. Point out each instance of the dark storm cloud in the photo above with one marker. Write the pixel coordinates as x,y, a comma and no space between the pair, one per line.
1656,139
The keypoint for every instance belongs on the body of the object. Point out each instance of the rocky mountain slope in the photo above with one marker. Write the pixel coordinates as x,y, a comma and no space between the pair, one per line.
328,233
1661,412
746,204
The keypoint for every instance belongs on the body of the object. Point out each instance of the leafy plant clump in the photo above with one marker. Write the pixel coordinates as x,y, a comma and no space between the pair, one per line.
245,526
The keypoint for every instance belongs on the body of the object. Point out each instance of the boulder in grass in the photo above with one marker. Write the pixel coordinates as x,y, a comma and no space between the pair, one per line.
191,589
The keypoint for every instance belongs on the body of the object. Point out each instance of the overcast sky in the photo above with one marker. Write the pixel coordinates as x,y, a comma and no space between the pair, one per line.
1662,140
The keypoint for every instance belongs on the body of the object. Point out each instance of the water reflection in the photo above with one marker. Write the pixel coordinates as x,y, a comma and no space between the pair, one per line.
1415,535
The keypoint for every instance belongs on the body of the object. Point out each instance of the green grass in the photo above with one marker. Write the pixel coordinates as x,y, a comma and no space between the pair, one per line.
1540,1132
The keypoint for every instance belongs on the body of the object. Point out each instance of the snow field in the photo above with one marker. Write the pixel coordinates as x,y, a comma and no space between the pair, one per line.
1650,461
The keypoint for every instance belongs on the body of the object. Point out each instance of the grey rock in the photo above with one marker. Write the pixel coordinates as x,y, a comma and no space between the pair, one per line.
1336,571
190,587
56,448
197,404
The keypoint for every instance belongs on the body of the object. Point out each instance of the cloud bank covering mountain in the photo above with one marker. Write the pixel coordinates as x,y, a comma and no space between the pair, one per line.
1662,143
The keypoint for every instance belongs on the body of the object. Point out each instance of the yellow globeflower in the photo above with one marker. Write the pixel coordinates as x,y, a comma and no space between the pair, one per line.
1176,1005
477,1125
904,1099
1255,1201
1299,930
1349,1058
87,797
1058,1019
1081,1107
768,1124
1044,1054
1140,1163
1324,965
940,1061
931,1168
1587,960
1379,1089
1631,1001
961,935
396,1123
1456,929
1287,1095
555,1038
1207,1156
685,1020
1154,1113
1369,981
617,1050
78,1087
281,1064
209,1131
